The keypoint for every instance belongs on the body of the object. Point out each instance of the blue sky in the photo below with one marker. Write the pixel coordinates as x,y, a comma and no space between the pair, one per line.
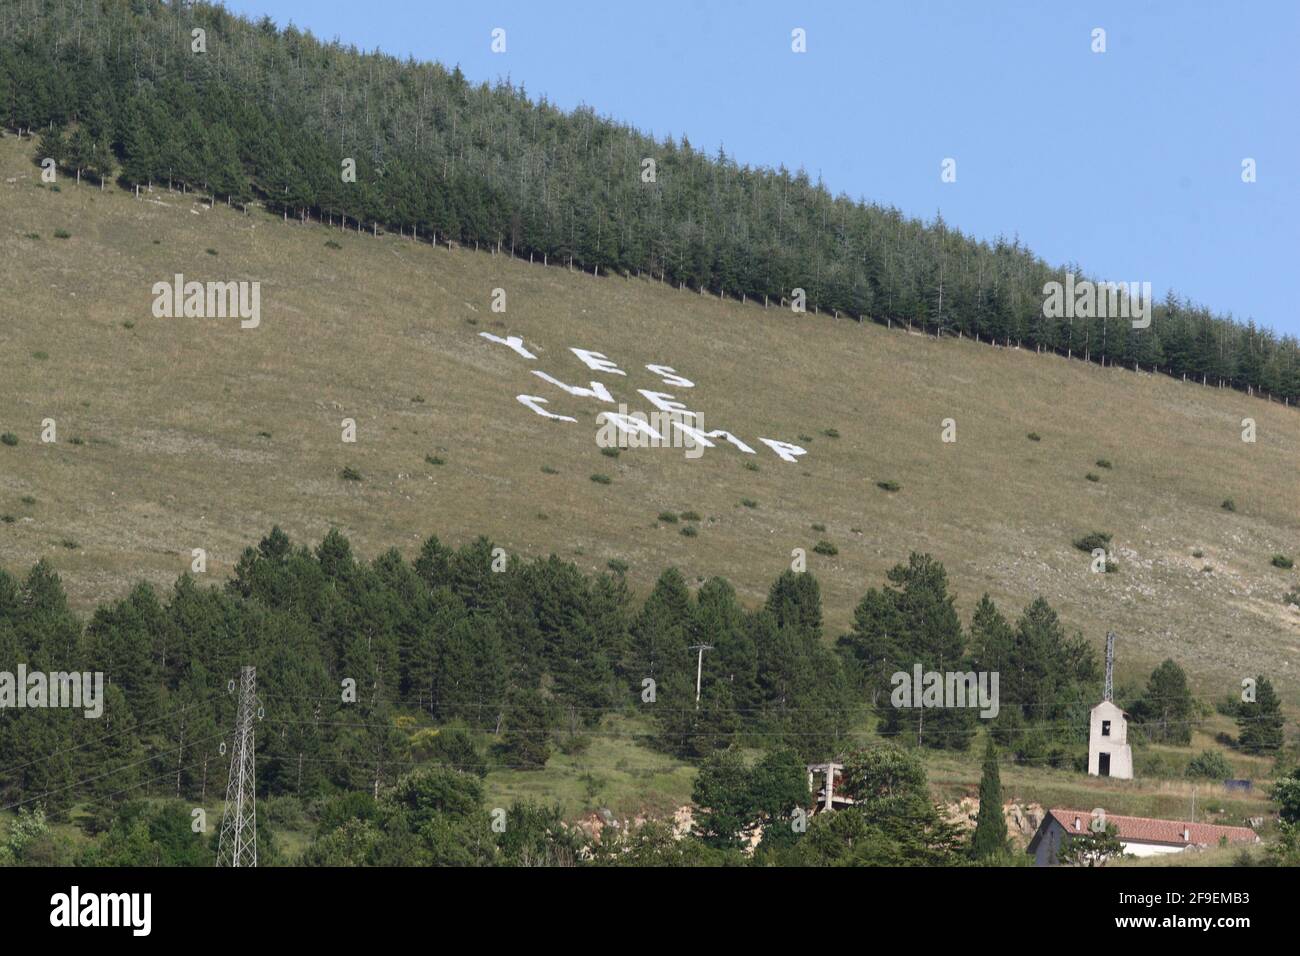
1127,162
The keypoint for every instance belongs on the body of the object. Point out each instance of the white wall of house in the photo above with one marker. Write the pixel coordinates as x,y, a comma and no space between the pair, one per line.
1108,734
1150,849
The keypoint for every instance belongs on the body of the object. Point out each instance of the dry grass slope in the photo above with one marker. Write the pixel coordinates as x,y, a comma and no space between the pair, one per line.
173,413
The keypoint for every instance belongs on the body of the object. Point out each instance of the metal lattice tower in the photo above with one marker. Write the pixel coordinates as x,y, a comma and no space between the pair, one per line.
237,845
1108,693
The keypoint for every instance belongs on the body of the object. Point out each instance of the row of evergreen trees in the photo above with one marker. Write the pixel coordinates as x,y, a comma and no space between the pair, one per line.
355,659
1048,680
366,669
271,114
464,659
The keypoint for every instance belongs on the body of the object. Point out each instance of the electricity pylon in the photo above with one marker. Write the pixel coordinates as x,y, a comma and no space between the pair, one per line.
237,845
1108,690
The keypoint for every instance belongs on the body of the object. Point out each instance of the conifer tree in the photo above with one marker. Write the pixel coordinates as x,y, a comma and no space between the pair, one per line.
1165,710
525,742
81,151
990,836
53,145
1260,722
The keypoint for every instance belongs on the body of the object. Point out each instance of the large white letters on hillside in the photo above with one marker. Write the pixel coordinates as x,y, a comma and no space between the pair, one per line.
513,341
703,438
595,360
636,425
630,425
670,376
597,390
536,403
665,402
787,451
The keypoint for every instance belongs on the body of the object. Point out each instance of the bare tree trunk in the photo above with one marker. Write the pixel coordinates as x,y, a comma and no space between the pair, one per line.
180,753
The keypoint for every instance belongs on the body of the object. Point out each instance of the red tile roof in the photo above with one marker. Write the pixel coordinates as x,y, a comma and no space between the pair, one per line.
1150,830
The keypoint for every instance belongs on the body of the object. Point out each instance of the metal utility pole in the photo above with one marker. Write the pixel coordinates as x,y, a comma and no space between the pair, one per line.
699,669
237,845
1108,693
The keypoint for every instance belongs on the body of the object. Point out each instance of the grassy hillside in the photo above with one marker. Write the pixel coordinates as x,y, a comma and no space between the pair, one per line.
182,433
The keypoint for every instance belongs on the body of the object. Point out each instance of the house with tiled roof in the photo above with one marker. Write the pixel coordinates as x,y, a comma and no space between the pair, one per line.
1140,836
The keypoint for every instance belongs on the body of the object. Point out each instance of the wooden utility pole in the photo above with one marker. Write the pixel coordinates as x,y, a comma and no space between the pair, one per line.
828,794
699,669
